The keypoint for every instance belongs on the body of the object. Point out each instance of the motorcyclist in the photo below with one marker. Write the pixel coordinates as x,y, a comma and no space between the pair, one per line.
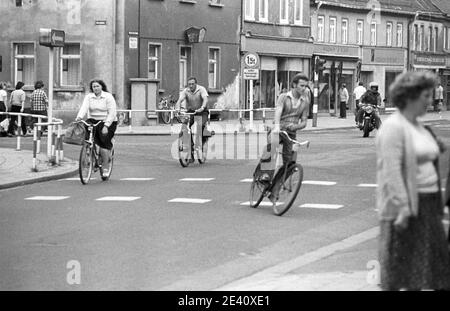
371,97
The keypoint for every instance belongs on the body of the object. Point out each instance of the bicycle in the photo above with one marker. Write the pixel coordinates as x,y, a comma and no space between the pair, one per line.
90,159
289,179
166,103
186,137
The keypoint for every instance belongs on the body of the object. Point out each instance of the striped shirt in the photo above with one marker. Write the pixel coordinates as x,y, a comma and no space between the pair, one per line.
39,100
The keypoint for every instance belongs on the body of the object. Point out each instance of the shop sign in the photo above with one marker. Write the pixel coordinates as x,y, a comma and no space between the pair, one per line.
336,50
429,59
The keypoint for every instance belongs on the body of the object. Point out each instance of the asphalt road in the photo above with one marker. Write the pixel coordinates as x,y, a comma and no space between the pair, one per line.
127,234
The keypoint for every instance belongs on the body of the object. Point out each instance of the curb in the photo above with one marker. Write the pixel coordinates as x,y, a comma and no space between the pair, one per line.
38,179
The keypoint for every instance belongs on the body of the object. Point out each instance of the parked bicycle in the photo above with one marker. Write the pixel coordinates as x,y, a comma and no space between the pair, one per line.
188,135
166,103
289,180
90,158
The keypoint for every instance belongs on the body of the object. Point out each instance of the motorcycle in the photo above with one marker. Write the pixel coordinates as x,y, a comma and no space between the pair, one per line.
369,121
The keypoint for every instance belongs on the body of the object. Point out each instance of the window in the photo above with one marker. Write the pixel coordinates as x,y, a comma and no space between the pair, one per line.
344,38
321,28
416,38
447,38
263,10
284,10
250,10
24,63
298,12
436,34
216,2
359,31
70,65
421,37
19,3
399,35
213,68
389,34
333,29
154,61
373,33
430,39
185,65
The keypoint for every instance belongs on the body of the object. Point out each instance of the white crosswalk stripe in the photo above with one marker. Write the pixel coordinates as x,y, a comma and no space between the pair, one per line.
196,179
264,203
137,179
319,183
189,200
247,180
118,198
77,178
321,206
368,185
47,198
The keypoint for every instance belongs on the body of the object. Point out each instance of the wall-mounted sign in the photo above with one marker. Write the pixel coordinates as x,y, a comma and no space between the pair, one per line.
100,23
195,34
51,37
429,59
133,33
133,43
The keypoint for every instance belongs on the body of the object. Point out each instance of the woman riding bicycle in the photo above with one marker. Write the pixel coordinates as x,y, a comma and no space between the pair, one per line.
291,115
100,105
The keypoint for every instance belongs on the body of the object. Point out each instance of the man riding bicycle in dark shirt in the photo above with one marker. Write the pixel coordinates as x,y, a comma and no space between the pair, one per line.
196,97
291,115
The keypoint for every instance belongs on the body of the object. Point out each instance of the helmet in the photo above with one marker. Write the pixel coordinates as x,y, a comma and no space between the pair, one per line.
373,84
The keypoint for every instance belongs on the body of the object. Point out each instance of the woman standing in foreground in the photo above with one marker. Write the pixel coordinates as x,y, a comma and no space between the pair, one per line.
413,249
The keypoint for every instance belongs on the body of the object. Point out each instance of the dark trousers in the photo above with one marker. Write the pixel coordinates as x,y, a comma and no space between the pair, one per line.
12,123
35,120
2,109
343,110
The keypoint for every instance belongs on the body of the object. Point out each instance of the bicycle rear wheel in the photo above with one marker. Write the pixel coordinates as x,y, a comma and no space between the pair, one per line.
289,189
111,162
86,163
165,117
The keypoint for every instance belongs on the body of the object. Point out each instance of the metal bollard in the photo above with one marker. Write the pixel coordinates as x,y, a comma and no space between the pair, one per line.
61,144
34,166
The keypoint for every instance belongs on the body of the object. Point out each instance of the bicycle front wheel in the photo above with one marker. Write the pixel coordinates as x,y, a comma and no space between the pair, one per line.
256,193
289,189
183,151
86,164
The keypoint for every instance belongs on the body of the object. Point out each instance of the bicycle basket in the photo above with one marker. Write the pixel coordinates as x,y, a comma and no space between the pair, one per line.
75,134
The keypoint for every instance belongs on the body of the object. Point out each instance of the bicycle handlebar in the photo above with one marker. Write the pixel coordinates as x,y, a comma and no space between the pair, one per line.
89,124
300,143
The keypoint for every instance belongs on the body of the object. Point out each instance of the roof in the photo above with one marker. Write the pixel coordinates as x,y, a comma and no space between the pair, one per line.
443,5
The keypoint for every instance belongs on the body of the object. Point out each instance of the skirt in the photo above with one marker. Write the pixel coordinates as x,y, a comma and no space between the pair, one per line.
417,257
104,141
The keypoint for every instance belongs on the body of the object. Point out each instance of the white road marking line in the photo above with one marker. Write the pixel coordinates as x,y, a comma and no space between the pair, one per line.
196,179
264,203
247,180
188,200
321,206
368,185
47,198
137,179
282,269
117,198
77,178
320,183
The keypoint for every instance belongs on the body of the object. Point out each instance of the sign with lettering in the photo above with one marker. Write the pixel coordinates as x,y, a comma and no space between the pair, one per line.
252,65
251,74
389,56
429,59
52,37
338,50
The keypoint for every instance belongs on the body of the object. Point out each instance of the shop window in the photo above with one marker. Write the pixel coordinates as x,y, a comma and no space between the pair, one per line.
70,65
185,65
213,68
24,63
154,61
263,11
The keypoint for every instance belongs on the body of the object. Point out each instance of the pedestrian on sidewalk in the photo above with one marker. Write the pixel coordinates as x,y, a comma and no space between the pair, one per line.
413,249
39,103
343,99
17,105
358,92
438,98
3,100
